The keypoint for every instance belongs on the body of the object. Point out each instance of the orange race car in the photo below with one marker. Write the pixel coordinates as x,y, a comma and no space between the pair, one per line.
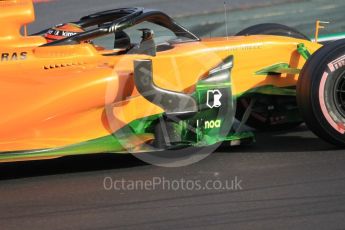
133,80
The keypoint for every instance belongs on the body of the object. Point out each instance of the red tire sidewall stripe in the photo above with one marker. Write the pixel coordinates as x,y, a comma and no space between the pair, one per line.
323,106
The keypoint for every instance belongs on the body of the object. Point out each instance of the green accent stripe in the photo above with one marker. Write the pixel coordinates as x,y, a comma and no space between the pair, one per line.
279,68
330,37
113,143
210,86
270,90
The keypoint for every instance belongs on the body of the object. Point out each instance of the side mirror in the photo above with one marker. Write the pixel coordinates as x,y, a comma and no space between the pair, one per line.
122,40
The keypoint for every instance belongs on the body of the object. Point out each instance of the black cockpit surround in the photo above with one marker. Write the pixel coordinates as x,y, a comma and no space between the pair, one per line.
112,21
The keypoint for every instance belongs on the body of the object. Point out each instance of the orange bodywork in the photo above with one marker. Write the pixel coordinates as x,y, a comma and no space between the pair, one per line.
57,96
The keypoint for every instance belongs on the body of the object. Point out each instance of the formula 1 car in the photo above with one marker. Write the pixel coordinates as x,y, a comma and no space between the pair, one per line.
134,81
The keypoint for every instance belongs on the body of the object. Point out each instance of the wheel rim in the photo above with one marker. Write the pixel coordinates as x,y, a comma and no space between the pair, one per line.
339,94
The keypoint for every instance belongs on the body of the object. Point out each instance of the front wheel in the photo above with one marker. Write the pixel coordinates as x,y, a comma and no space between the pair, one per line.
321,93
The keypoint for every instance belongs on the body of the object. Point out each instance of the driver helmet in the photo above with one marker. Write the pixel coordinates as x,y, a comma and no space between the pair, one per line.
63,31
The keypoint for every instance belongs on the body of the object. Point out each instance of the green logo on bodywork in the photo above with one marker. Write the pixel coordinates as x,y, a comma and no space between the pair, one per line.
213,124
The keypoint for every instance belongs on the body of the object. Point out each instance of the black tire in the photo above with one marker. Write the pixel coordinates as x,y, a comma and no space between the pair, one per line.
272,29
320,102
265,119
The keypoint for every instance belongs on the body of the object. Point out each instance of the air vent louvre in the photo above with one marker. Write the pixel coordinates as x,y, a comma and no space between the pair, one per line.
62,65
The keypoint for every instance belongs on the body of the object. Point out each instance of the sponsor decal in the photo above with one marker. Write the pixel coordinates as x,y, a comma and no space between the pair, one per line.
61,33
246,47
213,98
68,34
4,57
337,63
213,124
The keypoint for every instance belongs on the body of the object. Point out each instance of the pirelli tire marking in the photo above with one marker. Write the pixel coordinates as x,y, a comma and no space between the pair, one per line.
337,63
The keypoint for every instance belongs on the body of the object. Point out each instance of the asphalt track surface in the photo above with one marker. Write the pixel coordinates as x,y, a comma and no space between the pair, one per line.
289,180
